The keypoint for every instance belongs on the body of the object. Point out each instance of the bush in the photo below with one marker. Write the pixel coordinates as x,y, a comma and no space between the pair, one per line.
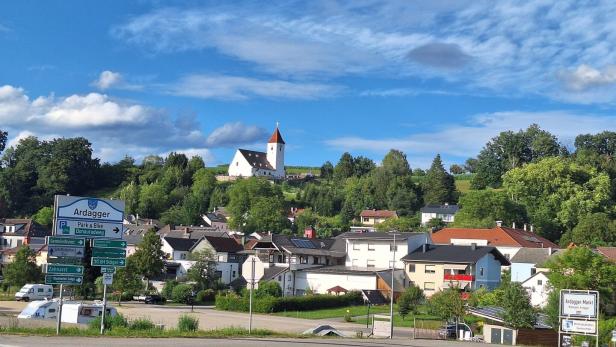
168,289
117,321
206,295
182,293
188,323
268,304
141,324
271,288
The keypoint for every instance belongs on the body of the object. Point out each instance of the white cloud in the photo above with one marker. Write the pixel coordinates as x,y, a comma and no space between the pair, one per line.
240,88
585,77
463,141
109,79
233,134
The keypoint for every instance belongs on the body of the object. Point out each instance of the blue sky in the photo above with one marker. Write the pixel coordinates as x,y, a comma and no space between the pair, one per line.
150,77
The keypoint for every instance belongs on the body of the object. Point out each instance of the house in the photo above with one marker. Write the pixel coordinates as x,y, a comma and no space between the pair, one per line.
17,232
495,330
529,261
148,222
176,248
445,212
216,221
226,251
607,252
374,217
293,213
436,267
7,255
538,288
134,233
247,163
508,240
191,232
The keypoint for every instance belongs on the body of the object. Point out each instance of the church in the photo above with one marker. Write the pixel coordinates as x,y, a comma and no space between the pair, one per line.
247,163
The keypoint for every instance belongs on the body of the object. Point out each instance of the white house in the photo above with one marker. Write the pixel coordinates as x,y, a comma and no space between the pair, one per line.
538,288
445,212
225,250
528,261
247,163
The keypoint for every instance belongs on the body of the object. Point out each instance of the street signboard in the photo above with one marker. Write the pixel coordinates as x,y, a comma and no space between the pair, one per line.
567,341
61,251
109,243
613,335
63,279
64,269
107,270
66,241
108,253
381,326
64,260
108,278
578,304
579,326
121,262
88,217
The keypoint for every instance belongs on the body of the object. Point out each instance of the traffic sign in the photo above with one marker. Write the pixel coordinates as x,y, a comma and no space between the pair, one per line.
61,251
109,252
108,278
90,229
64,269
64,260
63,279
65,241
100,243
88,217
121,262
107,270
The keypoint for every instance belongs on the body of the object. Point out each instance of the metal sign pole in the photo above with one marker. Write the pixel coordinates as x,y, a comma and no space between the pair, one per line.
252,286
104,308
391,307
59,320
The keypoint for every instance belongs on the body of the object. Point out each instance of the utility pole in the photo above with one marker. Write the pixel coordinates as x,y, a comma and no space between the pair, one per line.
59,320
252,286
104,308
391,305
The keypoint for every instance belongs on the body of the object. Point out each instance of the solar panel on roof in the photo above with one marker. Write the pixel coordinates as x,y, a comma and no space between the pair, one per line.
302,243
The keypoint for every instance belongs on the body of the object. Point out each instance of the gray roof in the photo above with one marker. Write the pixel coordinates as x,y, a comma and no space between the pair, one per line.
215,217
272,271
442,209
454,254
532,255
258,160
302,245
24,227
380,235
181,244
180,234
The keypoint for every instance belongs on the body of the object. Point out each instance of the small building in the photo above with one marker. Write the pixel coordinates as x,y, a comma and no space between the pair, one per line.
16,232
437,267
270,164
608,252
176,248
374,217
227,254
529,261
445,212
216,221
538,288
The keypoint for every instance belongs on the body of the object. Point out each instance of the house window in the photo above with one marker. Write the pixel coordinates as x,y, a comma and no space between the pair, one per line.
481,286
481,272
539,282
221,258
280,258
279,278
393,248
233,274
429,286
370,263
411,267
19,242
315,260
355,247
533,271
303,260
183,256
371,247
430,269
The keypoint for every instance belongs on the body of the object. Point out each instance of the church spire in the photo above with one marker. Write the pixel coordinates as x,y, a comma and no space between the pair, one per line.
276,137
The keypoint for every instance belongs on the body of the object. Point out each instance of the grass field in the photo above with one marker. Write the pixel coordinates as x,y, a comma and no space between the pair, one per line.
338,312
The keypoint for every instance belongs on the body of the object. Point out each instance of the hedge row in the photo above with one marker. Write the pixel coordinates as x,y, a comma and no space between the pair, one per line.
269,304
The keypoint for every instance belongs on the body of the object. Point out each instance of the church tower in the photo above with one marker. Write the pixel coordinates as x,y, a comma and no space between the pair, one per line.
275,153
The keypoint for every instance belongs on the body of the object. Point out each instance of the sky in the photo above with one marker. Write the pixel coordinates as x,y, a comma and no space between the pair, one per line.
205,78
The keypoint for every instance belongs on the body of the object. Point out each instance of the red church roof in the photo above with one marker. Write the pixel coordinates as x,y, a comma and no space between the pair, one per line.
276,137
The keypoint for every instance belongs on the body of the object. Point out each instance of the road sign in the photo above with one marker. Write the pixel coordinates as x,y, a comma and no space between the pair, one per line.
109,243
66,241
61,251
88,217
578,304
63,279
121,262
108,253
108,278
107,270
89,229
64,269
613,335
579,326
64,260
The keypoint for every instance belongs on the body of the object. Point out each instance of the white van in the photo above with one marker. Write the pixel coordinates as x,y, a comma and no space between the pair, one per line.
34,292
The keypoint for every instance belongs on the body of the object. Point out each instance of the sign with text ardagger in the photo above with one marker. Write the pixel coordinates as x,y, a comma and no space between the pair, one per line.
88,217
578,304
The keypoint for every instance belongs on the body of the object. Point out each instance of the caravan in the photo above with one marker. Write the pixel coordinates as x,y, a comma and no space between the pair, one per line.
40,309
34,292
72,312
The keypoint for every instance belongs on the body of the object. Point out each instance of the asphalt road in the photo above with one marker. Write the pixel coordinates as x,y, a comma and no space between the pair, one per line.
35,341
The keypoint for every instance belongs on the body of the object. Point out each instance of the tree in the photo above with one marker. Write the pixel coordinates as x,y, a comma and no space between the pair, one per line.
203,271
593,230
246,192
395,163
267,214
438,186
149,256
44,216
410,300
446,304
403,196
3,137
401,224
482,208
362,166
456,169
126,279
327,170
518,312
345,167
23,268
435,224
130,195
152,200
470,165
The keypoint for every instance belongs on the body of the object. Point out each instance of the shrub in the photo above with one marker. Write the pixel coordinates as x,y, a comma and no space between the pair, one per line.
188,323
168,289
206,295
117,321
268,304
141,324
347,316
271,288
182,293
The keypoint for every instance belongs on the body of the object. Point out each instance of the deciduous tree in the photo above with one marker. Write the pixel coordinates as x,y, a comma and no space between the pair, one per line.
23,268
148,258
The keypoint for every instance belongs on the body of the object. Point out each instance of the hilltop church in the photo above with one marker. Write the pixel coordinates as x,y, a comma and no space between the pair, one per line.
248,163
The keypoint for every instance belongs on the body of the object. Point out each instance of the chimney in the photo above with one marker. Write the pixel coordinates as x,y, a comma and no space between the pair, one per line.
499,223
473,246
513,225
524,226
424,248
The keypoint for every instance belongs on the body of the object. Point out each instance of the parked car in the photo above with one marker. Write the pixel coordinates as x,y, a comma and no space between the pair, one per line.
34,292
450,331
154,299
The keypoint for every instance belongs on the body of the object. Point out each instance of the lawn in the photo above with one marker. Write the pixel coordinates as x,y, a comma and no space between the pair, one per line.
338,312
430,321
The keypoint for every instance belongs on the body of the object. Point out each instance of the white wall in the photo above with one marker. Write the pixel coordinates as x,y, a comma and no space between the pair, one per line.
538,288
275,156
358,250
520,272
320,282
447,218
239,166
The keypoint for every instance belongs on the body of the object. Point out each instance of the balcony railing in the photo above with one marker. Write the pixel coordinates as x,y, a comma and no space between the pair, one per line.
459,277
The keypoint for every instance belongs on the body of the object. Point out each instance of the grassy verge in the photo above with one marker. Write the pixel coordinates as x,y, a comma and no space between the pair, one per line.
157,333
338,312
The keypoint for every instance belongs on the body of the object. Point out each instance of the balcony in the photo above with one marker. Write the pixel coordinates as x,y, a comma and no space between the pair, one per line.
458,277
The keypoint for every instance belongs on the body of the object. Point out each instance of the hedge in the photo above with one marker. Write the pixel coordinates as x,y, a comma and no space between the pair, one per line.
268,304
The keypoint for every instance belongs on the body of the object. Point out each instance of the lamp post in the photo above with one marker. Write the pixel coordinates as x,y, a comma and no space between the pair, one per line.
391,305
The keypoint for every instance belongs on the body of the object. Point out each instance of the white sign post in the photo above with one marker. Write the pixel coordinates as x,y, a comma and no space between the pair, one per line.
108,279
381,325
578,314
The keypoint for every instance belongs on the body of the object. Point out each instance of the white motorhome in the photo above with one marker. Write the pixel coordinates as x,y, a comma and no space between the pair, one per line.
40,309
34,292
72,312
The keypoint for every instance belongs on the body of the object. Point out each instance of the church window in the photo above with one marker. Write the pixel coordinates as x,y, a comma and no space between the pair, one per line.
280,149
272,148
237,163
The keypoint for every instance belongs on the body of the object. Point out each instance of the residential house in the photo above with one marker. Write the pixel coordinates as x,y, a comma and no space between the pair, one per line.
8,255
445,212
436,267
538,288
176,248
134,233
216,221
374,217
293,213
528,261
227,253
17,232
607,252
508,240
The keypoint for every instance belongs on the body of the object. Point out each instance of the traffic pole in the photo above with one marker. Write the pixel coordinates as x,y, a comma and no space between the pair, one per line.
252,286
391,307
59,320
104,308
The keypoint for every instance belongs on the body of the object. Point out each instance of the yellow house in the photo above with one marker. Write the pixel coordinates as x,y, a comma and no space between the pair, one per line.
374,217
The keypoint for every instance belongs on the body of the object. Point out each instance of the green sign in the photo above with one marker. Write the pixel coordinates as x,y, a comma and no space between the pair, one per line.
109,244
108,253
63,279
65,241
121,262
107,270
89,232
64,269
64,260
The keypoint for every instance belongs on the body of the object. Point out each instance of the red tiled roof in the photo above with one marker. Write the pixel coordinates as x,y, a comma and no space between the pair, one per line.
337,289
497,236
378,213
608,252
250,244
276,137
